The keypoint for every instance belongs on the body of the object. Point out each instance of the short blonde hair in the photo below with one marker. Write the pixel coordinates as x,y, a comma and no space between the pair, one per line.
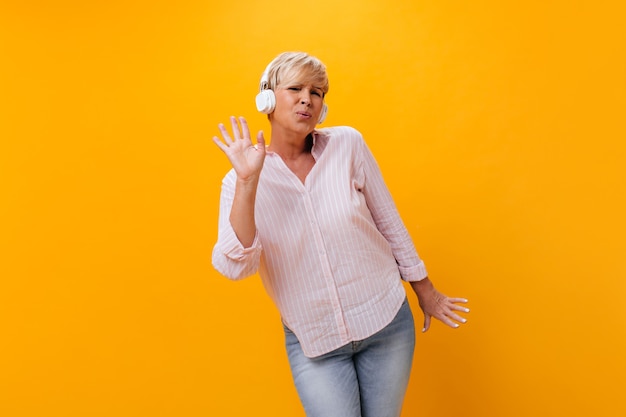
288,63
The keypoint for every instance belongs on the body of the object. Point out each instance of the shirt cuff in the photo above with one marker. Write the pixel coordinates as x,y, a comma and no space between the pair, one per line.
235,250
413,273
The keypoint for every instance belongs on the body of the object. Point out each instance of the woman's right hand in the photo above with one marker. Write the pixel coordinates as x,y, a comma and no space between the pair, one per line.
246,159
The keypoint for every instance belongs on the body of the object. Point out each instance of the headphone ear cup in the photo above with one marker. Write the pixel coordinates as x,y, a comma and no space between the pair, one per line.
323,114
265,101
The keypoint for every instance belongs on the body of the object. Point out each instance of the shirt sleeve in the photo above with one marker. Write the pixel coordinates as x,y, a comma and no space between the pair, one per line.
387,218
229,256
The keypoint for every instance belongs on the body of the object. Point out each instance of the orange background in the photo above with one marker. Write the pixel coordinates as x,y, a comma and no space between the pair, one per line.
499,127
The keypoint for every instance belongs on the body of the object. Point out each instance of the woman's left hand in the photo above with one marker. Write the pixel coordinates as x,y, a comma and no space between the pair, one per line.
434,304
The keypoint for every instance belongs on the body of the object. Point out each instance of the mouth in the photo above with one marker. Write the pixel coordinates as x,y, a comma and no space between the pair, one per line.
303,114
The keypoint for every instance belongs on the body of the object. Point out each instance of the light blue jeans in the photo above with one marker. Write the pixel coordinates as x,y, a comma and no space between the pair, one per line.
367,378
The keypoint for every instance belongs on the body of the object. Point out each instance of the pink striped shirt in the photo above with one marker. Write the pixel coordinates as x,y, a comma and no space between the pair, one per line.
330,252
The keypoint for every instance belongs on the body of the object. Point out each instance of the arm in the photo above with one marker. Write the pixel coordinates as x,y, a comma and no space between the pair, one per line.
242,211
237,250
247,162
386,217
388,221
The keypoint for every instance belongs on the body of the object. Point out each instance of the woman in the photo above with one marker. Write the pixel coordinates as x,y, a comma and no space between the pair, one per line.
311,213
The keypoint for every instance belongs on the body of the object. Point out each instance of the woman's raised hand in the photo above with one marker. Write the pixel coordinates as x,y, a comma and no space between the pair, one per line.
246,159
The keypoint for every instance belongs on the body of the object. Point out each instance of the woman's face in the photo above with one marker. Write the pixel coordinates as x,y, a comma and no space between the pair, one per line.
299,101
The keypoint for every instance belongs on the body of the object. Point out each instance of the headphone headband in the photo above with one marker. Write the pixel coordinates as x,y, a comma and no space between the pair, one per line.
265,78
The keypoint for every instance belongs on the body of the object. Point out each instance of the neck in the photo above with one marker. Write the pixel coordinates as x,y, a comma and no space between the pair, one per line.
291,147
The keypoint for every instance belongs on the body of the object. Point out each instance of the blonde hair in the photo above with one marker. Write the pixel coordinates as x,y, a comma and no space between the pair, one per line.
282,68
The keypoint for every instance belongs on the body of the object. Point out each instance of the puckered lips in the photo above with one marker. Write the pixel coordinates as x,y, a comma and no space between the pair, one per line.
304,114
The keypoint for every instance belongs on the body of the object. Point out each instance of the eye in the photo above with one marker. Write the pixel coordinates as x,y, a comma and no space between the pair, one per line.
317,93
294,88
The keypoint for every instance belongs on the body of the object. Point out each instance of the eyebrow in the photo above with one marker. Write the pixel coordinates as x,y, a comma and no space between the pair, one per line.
301,84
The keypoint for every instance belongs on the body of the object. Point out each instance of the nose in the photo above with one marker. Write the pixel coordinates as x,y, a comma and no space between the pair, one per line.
305,98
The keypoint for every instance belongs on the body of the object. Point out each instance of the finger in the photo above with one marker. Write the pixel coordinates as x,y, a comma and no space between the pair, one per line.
459,308
224,133
260,139
219,143
426,323
457,300
244,128
448,322
235,125
456,317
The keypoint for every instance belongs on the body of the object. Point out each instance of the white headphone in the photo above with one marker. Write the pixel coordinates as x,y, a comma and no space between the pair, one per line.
266,100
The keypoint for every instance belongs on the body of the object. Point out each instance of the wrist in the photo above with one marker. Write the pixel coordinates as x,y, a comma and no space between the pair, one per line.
248,183
422,286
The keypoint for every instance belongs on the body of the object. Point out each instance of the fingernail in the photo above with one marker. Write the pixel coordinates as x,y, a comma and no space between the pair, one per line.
467,310
463,320
423,329
456,325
